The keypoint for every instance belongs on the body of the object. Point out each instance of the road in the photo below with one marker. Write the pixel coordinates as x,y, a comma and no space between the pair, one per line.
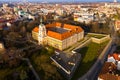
31,67
93,73
112,48
110,51
76,45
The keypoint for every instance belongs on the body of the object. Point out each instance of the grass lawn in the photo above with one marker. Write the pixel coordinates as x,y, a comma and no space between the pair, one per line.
95,36
89,55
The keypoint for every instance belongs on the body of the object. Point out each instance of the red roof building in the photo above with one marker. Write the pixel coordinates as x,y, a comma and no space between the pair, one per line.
71,30
59,33
117,25
108,72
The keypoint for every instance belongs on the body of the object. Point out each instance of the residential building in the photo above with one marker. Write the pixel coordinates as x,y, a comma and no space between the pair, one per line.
1,46
117,25
108,72
114,58
83,17
110,69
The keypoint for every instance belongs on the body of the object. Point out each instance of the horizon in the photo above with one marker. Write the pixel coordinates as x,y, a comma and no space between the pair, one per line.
58,1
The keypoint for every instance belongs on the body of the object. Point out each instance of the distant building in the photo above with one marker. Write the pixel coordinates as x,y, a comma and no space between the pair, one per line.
112,5
8,24
114,58
31,17
108,72
117,25
83,17
110,69
59,12
1,46
58,35
5,23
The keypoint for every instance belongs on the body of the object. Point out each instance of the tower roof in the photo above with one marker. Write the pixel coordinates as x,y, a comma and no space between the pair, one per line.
36,29
41,20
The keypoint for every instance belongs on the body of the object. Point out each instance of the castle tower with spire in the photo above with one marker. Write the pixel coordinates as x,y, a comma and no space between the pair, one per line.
42,32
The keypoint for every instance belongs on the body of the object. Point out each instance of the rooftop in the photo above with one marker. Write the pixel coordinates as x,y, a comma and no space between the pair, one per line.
117,23
60,31
67,61
108,72
116,56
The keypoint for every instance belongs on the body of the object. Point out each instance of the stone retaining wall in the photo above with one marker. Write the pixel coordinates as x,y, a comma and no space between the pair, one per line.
92,73
96,40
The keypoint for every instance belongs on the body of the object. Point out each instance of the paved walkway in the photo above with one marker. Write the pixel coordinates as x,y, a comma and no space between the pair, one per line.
31,67
113,48
95,69
76,45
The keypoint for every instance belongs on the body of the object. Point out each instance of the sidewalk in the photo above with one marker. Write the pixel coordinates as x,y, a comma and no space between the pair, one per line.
76,45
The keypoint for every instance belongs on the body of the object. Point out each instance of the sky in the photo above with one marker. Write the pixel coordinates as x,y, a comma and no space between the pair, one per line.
64,0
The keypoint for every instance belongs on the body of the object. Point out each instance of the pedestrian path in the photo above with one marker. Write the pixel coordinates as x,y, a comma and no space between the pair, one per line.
76,45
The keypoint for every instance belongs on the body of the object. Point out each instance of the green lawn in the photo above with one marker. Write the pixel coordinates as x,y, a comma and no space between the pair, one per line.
95,36
89,55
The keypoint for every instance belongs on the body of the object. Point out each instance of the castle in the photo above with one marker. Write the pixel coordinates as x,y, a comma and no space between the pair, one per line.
58,35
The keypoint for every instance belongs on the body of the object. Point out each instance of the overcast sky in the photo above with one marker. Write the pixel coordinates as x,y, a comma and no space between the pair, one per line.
64,0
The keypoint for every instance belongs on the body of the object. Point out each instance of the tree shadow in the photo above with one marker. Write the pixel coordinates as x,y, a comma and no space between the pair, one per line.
78,71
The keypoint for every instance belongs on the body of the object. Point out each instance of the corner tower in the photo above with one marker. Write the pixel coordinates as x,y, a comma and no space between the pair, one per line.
42,33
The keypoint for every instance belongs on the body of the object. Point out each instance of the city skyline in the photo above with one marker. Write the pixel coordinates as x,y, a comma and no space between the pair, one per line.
60,39
60,0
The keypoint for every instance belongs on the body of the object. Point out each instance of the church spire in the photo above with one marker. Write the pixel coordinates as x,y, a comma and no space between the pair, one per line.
41,21
42,32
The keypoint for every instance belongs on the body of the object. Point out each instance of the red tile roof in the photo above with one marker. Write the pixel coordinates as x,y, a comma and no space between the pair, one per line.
117,24
116,56
72,30
36,29
109,77
105,75
54,35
